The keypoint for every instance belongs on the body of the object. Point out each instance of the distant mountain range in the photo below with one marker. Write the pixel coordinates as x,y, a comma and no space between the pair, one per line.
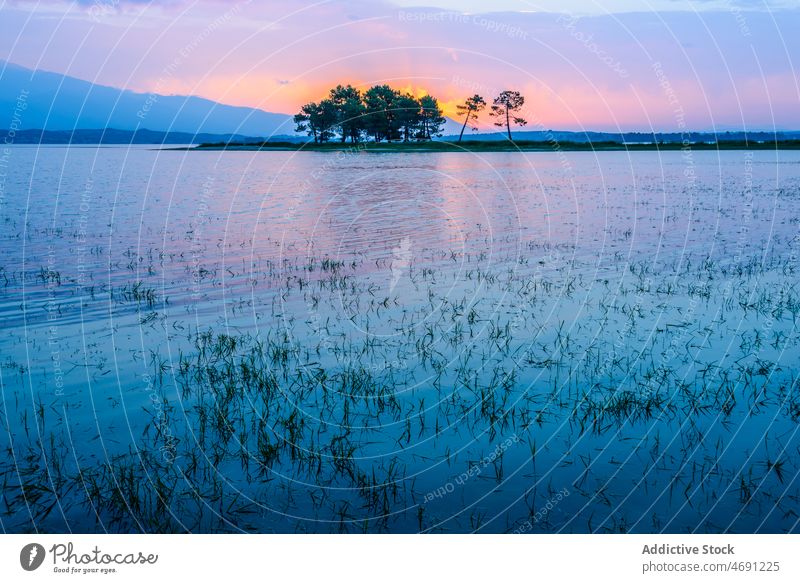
115,136
59,102
59,109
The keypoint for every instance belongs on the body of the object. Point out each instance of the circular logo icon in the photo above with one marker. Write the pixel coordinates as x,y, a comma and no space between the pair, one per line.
31,556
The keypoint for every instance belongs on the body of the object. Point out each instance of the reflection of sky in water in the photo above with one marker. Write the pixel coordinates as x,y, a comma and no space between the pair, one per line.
579,287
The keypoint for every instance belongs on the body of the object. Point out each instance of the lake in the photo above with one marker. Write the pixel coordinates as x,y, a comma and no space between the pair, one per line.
419,342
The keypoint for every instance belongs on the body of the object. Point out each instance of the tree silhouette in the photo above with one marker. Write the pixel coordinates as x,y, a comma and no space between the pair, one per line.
317,120
381,113
409,114
350,112
431,117
470,109
308,120
327,120
505,107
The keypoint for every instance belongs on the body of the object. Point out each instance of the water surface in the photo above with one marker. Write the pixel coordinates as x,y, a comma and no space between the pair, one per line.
438,342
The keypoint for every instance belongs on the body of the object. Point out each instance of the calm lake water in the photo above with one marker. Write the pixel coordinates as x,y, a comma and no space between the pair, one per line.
438,342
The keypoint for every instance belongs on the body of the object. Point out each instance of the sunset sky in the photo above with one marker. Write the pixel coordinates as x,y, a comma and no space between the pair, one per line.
613,64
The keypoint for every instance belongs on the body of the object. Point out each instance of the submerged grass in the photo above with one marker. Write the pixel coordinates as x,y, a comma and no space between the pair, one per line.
311,419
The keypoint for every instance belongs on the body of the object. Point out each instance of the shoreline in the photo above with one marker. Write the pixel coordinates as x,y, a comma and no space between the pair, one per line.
486,146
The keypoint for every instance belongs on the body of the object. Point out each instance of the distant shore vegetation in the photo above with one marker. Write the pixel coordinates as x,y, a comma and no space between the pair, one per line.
382,113
500,146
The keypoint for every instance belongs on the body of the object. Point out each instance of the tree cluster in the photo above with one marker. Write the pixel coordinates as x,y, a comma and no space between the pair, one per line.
382,113
379,113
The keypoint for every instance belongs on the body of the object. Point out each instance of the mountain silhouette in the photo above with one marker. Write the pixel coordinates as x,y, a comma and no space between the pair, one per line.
60,102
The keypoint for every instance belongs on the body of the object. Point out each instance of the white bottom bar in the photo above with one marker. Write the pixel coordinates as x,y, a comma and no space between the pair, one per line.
401,558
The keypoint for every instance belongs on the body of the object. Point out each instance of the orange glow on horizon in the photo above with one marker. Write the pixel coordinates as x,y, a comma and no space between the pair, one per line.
543,109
